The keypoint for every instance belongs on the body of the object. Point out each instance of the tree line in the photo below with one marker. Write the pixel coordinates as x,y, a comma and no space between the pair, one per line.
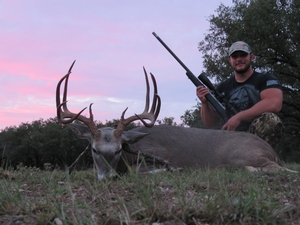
47,143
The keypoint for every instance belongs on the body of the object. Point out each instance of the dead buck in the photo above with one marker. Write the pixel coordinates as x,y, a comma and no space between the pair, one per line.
115,149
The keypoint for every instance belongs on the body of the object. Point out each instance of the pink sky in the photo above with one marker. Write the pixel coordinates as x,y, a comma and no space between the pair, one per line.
111,41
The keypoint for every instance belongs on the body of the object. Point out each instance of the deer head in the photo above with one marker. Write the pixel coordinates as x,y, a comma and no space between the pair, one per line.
106,143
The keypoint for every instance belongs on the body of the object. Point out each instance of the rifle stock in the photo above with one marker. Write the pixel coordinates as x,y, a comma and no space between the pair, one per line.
214,103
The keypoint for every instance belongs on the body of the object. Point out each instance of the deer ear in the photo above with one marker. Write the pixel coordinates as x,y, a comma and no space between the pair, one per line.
81,130
132,136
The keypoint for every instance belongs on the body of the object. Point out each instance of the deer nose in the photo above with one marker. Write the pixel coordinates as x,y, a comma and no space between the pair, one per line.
100,176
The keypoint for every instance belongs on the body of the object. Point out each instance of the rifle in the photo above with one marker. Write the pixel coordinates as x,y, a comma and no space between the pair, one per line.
214,103
221,96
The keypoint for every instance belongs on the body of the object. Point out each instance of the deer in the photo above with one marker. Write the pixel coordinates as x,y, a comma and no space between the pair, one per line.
115,150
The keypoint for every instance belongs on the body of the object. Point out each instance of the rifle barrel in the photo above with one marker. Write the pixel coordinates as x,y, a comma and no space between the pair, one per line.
189,73
171,52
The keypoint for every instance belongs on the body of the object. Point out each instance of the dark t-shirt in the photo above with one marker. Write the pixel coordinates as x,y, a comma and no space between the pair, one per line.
244,95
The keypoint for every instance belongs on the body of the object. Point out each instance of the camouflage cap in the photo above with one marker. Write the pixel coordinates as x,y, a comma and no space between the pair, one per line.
239,46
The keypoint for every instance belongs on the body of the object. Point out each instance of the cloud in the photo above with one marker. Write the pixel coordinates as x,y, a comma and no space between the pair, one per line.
111,41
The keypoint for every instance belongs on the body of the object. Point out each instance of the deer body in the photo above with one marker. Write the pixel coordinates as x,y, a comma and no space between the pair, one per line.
205,148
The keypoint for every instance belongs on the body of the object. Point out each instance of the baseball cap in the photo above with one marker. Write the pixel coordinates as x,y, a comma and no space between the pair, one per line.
239,46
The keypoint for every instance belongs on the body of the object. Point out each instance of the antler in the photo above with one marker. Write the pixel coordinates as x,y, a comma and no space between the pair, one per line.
64,115
145,115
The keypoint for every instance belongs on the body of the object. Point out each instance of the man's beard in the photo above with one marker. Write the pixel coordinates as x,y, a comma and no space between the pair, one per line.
241,71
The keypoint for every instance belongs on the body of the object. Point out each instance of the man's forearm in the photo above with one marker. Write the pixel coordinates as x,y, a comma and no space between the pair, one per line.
208,115
256,110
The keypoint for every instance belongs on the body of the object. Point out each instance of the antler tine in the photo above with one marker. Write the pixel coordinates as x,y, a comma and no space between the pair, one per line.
61,115
147,91
151,115
155,109
156,99
62,109
66,85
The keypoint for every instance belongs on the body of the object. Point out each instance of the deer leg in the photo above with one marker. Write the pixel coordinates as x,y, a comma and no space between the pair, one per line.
150,158
268,168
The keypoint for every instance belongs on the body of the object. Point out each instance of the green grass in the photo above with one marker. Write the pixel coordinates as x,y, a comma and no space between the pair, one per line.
31,196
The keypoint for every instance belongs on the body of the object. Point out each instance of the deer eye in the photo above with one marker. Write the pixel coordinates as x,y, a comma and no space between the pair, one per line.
94,151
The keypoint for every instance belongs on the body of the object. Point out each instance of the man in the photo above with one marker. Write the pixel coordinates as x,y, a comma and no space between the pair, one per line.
257,97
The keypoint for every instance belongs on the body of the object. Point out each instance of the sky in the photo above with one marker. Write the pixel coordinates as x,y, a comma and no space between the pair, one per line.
111,42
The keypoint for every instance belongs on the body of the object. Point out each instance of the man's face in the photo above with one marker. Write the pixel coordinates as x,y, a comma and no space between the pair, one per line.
240,61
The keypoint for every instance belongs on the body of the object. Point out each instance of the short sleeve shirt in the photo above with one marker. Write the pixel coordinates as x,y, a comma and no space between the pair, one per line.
244,95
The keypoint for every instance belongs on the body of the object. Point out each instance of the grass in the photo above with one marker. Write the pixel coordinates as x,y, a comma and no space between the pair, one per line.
31,196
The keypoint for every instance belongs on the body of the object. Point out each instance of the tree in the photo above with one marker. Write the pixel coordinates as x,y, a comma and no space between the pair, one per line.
167,121
45,141
272,30
42,141
192,117
113,123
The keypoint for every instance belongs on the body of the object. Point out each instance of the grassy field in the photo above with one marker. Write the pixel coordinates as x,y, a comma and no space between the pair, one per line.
31,196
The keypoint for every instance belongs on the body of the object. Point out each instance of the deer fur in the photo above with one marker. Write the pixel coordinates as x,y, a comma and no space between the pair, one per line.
205,148
183,147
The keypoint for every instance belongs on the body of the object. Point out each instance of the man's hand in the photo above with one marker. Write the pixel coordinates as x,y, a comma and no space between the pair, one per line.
201,91
232,123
